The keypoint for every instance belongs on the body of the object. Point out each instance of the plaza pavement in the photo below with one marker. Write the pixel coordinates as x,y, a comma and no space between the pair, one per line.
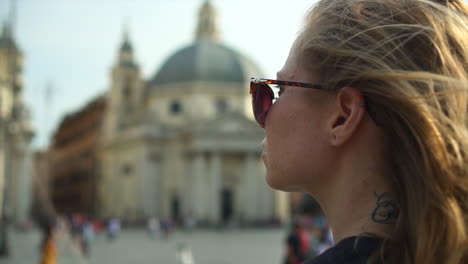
135,247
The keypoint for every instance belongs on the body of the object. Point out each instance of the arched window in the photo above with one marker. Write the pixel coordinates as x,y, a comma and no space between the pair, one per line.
175,107
127,92
127,170
222,105
127,87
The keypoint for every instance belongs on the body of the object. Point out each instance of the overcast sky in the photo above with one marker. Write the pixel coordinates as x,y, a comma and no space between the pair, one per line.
71,45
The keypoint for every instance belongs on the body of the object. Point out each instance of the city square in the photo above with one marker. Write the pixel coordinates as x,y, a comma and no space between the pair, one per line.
176,140
222,132
135,246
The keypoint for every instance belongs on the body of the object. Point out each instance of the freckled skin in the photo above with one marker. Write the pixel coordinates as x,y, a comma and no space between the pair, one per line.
324,143
296,152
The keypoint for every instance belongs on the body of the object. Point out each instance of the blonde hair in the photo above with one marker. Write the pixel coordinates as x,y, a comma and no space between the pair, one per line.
409,58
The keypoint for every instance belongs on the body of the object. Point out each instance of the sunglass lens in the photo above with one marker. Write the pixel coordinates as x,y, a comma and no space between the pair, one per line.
262,101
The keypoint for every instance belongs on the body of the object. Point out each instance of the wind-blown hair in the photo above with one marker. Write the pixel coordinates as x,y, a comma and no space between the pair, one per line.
409,58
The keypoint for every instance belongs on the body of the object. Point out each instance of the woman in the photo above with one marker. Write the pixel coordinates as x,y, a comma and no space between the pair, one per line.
48,248
371,119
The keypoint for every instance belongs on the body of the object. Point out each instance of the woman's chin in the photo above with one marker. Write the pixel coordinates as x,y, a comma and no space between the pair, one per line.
264,157
280,184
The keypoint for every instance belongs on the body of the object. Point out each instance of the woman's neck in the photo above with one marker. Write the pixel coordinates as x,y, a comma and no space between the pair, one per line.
359,198
361,210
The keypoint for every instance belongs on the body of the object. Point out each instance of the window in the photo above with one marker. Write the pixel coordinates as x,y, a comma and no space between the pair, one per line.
221,106
175,107
127,170
127,88
127,92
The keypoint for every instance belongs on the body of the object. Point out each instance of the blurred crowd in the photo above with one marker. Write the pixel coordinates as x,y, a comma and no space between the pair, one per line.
75,233
308,236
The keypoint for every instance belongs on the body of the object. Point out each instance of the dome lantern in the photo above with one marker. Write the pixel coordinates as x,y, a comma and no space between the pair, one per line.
207,28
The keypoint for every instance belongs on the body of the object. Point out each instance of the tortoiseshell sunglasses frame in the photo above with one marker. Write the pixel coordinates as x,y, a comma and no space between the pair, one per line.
278,82
254,82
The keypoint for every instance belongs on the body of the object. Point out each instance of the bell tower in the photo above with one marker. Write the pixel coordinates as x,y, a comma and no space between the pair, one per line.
126,89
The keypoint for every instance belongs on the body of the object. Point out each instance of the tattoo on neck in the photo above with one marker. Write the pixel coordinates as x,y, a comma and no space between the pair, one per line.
387,209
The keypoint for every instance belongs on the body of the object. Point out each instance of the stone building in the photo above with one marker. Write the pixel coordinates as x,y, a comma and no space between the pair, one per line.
72,160
41,205
183,142
15,133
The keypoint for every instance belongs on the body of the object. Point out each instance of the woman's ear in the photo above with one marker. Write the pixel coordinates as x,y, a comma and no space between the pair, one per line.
347,115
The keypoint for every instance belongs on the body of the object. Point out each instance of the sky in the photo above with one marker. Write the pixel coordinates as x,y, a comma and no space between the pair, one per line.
70,45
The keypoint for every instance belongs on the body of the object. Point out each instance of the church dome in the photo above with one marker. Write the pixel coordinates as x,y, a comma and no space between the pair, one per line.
205,60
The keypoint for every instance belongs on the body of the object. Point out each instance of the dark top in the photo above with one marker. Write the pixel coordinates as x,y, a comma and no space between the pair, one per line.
347,251
298,243
294,243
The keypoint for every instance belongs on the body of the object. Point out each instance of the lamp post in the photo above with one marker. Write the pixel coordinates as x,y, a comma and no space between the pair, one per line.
4,246
4,241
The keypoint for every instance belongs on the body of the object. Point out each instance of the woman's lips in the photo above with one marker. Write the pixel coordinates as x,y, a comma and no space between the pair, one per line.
264,156
264,151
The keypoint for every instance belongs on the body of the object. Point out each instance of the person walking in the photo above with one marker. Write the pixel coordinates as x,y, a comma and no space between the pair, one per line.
184,254
369,115
153,227
87,237
298,244
113,229
48,253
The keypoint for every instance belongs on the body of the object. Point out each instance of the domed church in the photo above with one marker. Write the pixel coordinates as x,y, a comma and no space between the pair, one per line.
184,143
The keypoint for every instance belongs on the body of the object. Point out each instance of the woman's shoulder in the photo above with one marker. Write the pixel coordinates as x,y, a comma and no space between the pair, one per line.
351,250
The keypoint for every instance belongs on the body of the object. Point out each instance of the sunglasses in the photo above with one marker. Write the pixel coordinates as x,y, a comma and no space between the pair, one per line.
265,92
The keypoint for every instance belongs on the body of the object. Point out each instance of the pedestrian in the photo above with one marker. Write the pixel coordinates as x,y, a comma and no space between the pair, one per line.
369,116
323,242
297,244
166,228
48,245
189,222
113,229
184,254
74,225
153,227
87,237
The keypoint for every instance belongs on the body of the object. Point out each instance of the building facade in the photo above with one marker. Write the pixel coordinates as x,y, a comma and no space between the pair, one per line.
184,143
73,164
15,133
41,207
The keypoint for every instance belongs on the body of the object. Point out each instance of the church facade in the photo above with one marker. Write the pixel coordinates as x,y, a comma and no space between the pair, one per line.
16,134
183,143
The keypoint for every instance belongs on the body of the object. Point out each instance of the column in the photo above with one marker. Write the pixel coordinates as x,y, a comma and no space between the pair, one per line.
2,168
266,203
250,202
152,186
195,186
214,190
188,186
156,184
23,195
282,206
143,190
